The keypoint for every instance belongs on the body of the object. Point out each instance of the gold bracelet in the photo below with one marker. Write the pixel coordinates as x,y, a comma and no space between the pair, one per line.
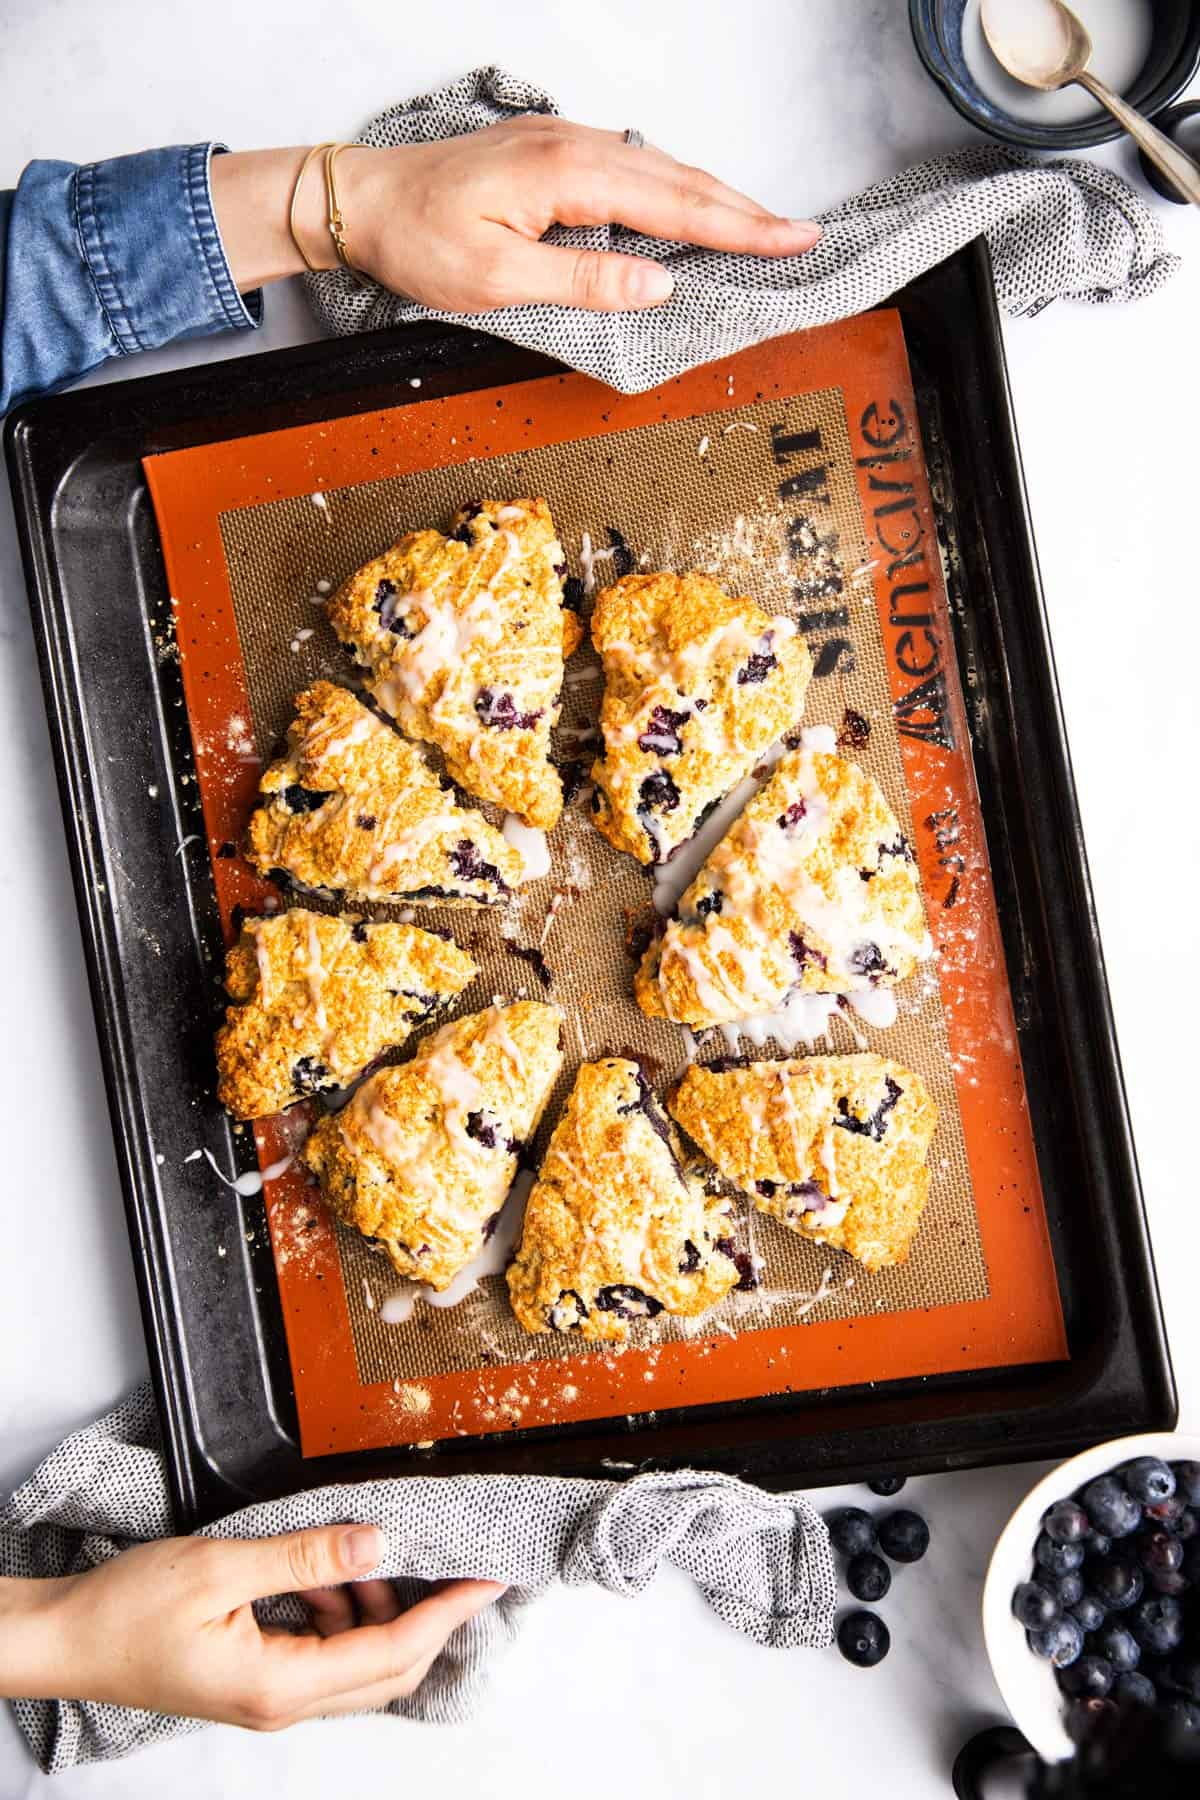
337,224
296,186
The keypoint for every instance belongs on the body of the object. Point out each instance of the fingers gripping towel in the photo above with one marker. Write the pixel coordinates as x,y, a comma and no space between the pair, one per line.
1055,230
762,1561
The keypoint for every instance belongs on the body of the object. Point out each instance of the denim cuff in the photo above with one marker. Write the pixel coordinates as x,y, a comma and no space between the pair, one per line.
153,248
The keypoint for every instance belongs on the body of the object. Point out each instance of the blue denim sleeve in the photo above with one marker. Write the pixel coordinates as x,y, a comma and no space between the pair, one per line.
106,259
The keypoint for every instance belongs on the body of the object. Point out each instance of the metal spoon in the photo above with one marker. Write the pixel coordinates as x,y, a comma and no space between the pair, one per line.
1057,50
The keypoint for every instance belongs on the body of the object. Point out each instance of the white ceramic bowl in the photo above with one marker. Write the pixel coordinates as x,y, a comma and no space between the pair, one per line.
1026,1681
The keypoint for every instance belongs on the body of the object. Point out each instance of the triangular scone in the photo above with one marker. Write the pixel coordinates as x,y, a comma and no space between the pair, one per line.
832,1146
813,888
463,639
697,685
422,1157
614,1229
351,808
315,1000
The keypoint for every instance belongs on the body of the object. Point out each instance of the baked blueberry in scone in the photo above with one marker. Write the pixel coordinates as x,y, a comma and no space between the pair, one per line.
697,685
833,1147
814,888
463,639
315,1000
422,1157
615,1230
351,808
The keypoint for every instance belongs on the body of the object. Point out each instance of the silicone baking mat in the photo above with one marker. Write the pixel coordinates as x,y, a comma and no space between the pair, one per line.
793,473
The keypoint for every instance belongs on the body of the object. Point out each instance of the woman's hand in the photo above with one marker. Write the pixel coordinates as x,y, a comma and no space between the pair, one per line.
455,224
169,1627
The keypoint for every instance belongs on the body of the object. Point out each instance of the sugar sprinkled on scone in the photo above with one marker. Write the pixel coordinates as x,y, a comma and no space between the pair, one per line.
615,1230
812,890
833,1147
422,1157
464,639
316,999
698,684
352,808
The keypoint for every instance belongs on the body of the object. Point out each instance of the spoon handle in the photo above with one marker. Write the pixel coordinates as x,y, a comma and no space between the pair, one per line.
1175,163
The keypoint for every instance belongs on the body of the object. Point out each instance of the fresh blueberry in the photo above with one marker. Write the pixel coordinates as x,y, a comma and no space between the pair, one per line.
1057,1559
1090,1611
1185,1674
1171,1583
1187,1481
863,1639
1069,1588
1148,1479
1096,1544
868,1577
1117,1646
1065,1522
1186,1525
904,1536
1159,1552
1111,1508
1083,1718
1118,1583
1191,1561
1183,1714
887,1485
1089,1677
1165,1512
851,1531
1060,1642
1157,1624
1034,1606
1134,1689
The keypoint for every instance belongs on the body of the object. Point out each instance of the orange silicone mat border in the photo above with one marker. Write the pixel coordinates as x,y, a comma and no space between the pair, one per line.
1021,1320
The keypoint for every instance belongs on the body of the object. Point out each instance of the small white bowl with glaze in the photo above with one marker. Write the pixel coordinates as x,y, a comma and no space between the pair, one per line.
1026,1681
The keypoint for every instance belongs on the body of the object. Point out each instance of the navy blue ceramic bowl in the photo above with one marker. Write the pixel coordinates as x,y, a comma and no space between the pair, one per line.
1172,61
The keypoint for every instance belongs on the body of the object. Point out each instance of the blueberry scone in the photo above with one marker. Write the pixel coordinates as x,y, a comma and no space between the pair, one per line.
422,1157
463,639
833,1147
697,685
814,888
351,808
315,1000
614,1229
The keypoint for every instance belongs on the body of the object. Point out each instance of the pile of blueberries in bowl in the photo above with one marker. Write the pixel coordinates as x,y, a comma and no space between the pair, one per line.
1113,1599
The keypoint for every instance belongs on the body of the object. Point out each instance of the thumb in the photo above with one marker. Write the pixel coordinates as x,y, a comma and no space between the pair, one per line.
252,1568
601,281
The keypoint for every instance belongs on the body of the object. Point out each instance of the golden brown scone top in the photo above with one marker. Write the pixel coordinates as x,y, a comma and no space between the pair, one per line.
352,808
422,1157
833,1147
614,1229
813,888
698,684
315,1000
464,639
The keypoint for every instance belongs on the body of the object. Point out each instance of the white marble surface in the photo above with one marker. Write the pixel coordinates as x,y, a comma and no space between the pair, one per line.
799,103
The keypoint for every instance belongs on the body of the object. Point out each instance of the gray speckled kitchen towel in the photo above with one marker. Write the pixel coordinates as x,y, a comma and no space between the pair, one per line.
762,1561
1064,229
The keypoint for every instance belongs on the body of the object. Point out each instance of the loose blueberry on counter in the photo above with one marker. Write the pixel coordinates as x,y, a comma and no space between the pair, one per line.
863,1639
1087,1678
1117,1646
1034,1606
1066,1522
887,1485
1134,1689
1158,1625
1111,1507
1089,1611
1060,1643
904,1536
1057,1559
1117,1584
1148,1479
851,1530
868,1576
